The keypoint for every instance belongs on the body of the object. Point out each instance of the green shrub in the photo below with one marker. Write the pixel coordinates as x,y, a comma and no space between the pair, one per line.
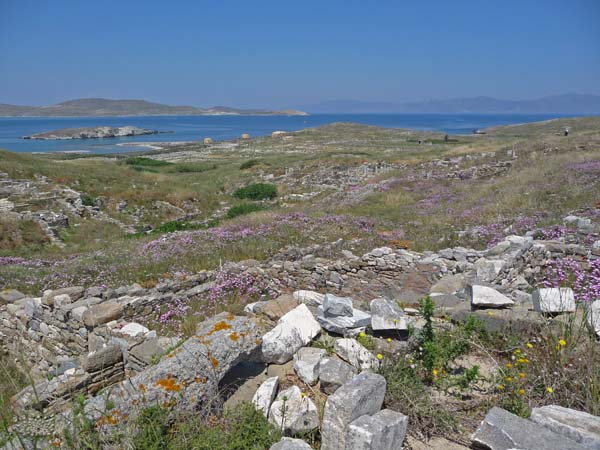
146,162
257,191
152,429
248,164
192,168
244,208
244,428
88,200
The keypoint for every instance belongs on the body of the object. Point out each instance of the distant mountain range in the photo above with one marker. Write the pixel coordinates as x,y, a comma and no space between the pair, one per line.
106,107
564,104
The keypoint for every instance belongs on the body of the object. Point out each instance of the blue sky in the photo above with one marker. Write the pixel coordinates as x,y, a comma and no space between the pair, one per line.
283,53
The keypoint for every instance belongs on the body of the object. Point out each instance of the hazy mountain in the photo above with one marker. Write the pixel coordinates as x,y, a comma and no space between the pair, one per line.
566,104
106,107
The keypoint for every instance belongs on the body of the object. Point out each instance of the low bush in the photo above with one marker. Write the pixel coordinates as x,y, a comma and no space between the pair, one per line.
249,164
146,162
244,208
257,191
192,168
88,200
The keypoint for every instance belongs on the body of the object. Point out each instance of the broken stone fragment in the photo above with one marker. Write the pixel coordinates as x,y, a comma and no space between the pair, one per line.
576,425
306,363
387,315
363,395
293,331
384,430
487,297
102,313
265,394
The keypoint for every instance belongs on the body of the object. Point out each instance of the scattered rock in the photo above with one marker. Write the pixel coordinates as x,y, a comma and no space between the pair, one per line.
333,373
306,363
553,300
501,430
487,297
334,306
387,315
363,395
353,352
576,425
287,443
265,394
294,412
309,298
102,313
383,431
593,317
344,324
293,331
275,309
10,296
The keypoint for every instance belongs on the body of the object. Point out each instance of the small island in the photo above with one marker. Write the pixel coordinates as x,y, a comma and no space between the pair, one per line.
91,133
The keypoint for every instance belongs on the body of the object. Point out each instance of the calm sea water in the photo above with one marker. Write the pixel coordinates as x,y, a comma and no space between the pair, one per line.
195,128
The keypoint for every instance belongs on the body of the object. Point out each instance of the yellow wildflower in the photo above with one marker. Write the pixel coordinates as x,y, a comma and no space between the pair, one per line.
562,342
389,339
500,387
521,375
509,379
435,372
529,345
550,390
517,352
379,356
521,391
509,365
362,334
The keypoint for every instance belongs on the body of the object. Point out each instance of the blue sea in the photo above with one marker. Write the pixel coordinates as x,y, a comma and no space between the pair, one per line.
195,128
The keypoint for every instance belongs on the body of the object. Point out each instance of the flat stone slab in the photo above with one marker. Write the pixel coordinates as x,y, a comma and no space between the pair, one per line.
576,425
351,351
334,306
553,300
265,394
102,313
334,373
487,297
306,363
501,430
344,324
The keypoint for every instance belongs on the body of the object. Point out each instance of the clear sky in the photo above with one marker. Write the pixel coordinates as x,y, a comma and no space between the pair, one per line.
256,53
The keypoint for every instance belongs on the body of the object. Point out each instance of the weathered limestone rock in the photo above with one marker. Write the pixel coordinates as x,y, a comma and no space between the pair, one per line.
102,313
487,297
265,394
10,296
276,308
334,306
501,430
309,298
334,373
353,352
593,317
134,329
344,324
576,425
190,373
383,431
104,357
294,412
553,300
387,315
488,269
363,395
449,284
306,363
75,292
287,443
293,331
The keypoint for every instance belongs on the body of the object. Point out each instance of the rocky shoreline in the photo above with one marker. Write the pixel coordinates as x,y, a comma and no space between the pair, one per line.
92,133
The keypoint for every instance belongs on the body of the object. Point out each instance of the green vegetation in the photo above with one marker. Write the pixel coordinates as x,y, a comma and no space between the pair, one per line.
249,164
146,162
244,208
257,191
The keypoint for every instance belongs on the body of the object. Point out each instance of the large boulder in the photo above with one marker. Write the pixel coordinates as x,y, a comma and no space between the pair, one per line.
187,376
576,425
553,300
344,325
293,331
383,431
501,430
293,412
363,395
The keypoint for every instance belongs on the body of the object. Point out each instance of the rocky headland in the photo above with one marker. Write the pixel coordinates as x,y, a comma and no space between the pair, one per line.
92,133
